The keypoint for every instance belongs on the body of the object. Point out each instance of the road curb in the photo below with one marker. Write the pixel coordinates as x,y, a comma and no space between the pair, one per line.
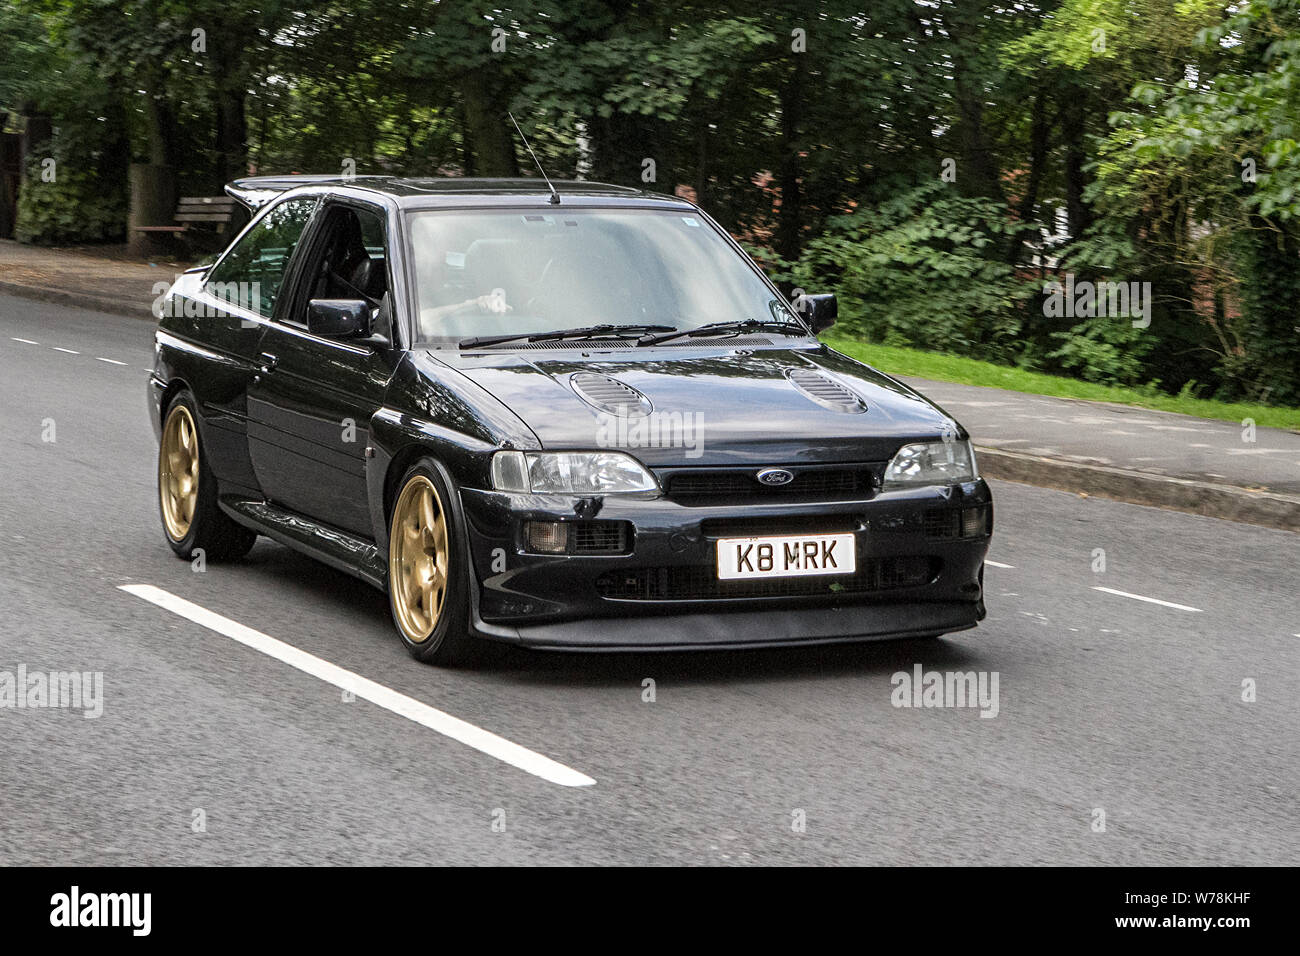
1179,494
132,310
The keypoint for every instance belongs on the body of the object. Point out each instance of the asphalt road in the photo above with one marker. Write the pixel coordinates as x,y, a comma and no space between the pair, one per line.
1123,436
1105,701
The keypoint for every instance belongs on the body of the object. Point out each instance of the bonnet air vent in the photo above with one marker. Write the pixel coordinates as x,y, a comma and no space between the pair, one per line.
609,394
825,391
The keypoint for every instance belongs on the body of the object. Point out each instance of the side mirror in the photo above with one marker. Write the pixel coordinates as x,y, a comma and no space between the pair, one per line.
821,311
339,318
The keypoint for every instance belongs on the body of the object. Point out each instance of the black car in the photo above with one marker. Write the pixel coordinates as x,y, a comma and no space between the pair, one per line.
568,418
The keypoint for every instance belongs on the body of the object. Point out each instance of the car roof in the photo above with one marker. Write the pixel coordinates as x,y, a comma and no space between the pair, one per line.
256,191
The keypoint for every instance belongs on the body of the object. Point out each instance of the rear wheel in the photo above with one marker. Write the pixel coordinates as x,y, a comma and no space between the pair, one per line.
187,492
427,574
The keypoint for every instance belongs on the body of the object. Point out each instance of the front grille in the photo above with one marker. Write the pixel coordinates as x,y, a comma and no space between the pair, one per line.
697,583
601,537
699,486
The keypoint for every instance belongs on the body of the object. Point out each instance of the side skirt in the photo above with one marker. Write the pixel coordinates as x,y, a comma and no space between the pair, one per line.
340,550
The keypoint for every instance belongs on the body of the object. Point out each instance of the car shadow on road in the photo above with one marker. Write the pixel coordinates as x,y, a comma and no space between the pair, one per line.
554,668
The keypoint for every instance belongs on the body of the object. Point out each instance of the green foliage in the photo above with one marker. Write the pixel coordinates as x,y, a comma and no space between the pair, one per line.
73,209
1104,349
1106,138
923,269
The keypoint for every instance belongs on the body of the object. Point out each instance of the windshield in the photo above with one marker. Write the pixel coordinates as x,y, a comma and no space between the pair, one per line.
515,272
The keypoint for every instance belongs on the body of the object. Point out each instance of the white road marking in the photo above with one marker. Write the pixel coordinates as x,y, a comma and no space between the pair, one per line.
24,341
436,720
998,564
1150,600
109,361
69,351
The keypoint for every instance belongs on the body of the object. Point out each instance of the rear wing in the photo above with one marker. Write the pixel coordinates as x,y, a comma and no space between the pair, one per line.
256,191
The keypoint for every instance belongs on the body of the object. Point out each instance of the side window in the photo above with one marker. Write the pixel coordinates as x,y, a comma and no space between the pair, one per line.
251,273
352,261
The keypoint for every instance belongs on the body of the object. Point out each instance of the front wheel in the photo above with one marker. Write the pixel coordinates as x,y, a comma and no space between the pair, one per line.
187,492
428,580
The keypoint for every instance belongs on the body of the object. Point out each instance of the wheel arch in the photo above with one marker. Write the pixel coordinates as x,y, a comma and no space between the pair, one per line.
398,441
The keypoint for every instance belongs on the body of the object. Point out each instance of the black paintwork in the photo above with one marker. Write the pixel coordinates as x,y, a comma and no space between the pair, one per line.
307,436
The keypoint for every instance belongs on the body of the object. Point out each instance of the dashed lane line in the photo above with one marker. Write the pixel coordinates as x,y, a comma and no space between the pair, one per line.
57,348
436,720
1149,600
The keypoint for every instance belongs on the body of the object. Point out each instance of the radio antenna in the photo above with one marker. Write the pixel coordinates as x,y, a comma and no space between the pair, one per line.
555,196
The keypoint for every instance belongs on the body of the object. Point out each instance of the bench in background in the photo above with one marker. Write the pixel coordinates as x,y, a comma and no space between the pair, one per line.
215,212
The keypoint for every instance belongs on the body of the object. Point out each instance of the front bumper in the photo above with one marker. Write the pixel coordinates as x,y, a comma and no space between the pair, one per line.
915,575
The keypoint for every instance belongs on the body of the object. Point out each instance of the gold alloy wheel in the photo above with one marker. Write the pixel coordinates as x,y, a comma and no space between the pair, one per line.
178,472
417,559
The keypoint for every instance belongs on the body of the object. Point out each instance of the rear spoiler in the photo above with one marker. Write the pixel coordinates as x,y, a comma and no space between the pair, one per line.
256,191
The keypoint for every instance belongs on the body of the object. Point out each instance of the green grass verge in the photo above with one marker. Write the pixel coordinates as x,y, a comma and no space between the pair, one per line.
954,368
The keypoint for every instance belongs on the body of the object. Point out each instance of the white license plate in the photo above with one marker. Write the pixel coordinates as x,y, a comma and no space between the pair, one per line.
786,556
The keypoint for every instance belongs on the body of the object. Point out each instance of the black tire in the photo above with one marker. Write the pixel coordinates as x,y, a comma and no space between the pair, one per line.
450,642
210,529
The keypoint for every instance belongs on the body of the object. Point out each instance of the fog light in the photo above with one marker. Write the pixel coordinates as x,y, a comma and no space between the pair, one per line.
547,537
974,522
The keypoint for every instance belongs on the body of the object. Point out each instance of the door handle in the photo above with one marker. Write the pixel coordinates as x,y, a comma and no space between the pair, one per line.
269,362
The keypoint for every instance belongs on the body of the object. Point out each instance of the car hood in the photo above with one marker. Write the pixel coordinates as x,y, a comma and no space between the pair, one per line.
709,405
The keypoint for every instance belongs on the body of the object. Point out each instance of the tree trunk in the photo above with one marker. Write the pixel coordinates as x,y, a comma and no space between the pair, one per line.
1039,143
621,144
1073,133
153,203
489,134
978,171
231,147
789,229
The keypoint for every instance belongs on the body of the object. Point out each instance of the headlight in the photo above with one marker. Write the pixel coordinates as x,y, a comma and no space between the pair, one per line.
931,463
569,473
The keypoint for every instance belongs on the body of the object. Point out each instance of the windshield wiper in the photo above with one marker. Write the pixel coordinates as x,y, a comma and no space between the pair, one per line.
728,328
589,332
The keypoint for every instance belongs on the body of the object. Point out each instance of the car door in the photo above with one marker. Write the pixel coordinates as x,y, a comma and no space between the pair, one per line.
310,406
227,315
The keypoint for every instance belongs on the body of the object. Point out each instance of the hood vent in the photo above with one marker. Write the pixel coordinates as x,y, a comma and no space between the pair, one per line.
825,391
610,395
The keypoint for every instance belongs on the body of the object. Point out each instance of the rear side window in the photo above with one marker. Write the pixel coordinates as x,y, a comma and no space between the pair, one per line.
252,272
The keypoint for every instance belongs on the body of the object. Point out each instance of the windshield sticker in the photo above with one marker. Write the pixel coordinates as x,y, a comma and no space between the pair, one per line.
691,221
